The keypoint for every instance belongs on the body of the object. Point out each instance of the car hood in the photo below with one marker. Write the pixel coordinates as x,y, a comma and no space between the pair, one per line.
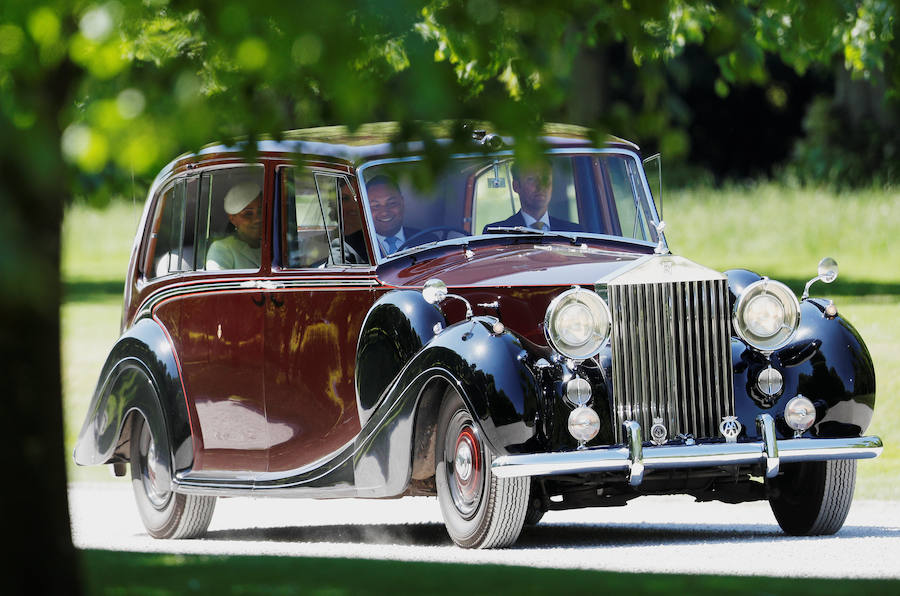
517,265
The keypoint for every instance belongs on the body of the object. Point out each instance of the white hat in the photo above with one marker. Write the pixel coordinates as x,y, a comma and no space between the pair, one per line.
240,196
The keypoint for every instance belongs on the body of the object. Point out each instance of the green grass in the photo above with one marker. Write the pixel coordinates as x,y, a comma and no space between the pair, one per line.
96,248
140,573
783,232
774,230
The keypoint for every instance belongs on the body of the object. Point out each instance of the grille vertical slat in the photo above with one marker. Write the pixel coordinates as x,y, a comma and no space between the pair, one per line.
693,345
671,355
684,350
659,356
706,404
725,364
714,337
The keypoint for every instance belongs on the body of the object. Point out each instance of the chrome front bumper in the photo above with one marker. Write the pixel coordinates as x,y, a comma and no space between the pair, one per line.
634,458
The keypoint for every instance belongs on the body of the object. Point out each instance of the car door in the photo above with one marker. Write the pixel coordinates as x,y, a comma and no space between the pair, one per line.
219,340
314,317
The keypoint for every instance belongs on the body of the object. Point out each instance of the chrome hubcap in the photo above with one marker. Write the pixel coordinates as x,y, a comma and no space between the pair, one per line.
465,467
151,471
464,460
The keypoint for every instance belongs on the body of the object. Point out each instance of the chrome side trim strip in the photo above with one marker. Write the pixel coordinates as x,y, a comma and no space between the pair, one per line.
623,459
249,285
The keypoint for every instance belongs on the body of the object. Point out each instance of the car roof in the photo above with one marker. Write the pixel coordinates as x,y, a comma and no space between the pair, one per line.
373,141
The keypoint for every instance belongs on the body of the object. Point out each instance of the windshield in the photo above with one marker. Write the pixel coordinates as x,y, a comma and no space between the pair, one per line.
577,194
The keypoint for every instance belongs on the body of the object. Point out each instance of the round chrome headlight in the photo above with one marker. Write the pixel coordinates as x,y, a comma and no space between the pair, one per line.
766,314
577,323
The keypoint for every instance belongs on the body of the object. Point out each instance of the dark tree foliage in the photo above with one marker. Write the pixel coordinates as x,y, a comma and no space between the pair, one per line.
95,92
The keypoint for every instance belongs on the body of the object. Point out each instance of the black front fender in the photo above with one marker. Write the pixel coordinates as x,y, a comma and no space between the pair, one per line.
825,361
487,369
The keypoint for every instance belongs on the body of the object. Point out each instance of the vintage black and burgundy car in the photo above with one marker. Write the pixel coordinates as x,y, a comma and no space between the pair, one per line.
342,318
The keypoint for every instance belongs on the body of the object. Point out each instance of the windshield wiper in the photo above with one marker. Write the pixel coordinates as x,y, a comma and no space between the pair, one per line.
571,236
512,230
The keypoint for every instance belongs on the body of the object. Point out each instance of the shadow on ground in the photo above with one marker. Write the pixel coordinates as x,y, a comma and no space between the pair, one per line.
540,536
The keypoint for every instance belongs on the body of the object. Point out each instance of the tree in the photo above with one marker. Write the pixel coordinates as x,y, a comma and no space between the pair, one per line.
92,93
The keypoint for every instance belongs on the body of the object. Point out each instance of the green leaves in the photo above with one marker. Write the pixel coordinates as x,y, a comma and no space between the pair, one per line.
153,78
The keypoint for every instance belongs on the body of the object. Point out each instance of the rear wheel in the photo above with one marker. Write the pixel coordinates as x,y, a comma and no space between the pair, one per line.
813,498
479,509
165,514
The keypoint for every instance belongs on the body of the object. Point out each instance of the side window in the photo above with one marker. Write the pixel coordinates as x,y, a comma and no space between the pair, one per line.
306,239
328,197
171,244
351,223
322,222
230,219
631,217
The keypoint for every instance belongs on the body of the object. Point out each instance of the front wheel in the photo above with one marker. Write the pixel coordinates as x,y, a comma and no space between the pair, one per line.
165,514
813,498
479,509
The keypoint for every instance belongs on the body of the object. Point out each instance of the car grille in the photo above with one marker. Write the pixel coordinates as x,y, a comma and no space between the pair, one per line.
671,356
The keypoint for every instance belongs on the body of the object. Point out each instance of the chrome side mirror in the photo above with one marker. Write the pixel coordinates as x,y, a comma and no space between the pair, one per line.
828,272
435,291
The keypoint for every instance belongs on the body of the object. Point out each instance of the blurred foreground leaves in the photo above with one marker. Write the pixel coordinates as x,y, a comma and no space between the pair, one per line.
153,78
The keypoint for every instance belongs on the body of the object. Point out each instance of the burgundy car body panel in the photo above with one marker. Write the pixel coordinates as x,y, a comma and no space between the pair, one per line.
522,278
522,264
310,361
218,336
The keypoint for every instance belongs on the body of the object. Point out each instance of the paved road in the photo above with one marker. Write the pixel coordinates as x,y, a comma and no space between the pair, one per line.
657,534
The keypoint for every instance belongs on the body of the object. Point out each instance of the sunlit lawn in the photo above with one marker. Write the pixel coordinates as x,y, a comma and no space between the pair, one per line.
774,230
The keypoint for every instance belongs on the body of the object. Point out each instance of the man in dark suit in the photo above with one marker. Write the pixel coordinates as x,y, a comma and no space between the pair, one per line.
535,188
387,205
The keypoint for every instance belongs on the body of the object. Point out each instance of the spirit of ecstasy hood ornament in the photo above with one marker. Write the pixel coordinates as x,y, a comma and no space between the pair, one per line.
661,248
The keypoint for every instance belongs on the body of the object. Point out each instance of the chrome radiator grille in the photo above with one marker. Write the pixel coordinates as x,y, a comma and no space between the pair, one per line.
671,352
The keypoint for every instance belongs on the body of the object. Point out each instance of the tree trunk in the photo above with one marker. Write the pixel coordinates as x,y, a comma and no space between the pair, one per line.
32,192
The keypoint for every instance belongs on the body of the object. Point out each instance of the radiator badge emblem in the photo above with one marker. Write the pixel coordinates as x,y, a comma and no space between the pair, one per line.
730,428
658,432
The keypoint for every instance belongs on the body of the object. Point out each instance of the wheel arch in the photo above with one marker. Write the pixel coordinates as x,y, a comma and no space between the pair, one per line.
396,446
425,428
140,378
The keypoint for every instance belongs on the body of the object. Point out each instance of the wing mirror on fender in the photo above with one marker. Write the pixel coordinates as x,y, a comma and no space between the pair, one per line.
435,291
828,272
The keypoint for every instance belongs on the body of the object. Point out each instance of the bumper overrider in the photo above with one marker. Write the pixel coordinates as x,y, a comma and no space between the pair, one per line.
634,458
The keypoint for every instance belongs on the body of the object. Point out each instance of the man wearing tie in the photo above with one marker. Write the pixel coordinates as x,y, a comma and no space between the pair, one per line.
387,205
535,188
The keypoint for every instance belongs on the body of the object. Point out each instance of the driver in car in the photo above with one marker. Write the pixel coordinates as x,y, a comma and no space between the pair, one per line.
387,205
535,189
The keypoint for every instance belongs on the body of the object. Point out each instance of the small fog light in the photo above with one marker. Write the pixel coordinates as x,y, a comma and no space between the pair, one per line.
578,392
799,413
770,382
584,424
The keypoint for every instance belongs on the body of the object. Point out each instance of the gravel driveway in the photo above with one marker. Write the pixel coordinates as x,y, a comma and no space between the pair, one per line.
656,534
